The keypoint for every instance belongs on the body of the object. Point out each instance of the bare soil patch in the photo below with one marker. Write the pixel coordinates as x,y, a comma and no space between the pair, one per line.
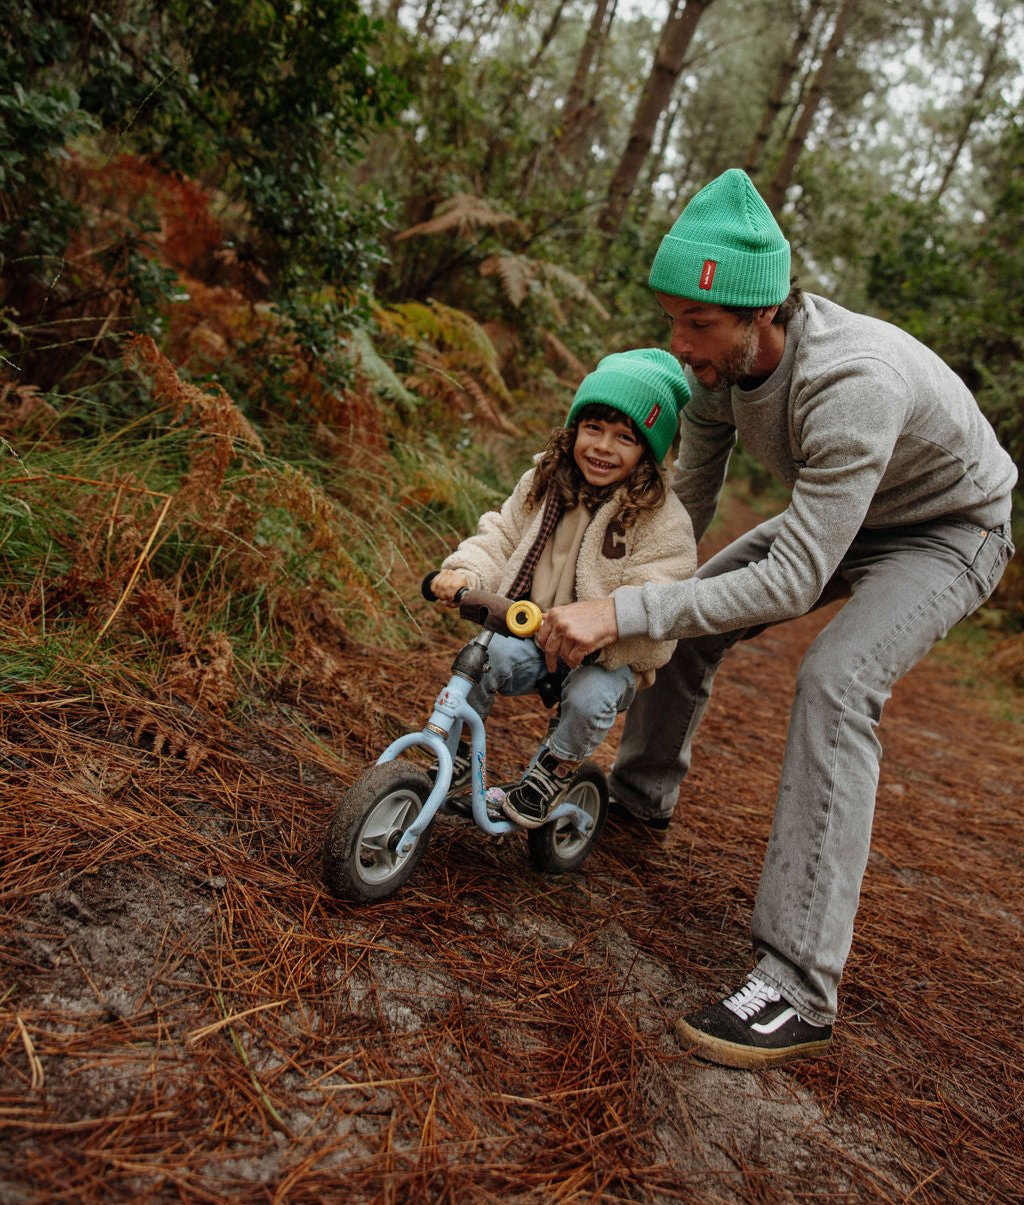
185,1014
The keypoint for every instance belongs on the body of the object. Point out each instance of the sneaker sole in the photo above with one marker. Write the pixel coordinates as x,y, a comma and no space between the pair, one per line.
521,820
733,1054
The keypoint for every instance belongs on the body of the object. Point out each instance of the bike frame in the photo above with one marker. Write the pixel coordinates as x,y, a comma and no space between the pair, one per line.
441,736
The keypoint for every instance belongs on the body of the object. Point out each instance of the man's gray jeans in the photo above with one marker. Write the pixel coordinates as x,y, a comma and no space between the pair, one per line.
907,587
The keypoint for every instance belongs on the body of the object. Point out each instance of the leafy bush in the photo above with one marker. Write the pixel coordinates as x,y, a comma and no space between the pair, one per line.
265,104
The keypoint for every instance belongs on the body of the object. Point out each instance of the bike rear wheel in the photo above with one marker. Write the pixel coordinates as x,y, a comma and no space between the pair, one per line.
559,847
360,860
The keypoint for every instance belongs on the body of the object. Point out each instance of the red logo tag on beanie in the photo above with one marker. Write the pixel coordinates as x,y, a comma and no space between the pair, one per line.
652,418
707,273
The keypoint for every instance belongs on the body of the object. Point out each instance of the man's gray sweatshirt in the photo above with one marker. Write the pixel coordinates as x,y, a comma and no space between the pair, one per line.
866,425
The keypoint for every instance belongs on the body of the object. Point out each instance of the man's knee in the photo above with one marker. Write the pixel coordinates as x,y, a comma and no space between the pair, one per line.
835,675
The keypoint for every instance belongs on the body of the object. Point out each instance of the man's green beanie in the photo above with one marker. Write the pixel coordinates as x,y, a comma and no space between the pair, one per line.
646,385
725,248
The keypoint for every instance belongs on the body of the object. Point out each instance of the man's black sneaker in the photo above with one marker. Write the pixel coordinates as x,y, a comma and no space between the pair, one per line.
462,770
754,1027
539,791
618,811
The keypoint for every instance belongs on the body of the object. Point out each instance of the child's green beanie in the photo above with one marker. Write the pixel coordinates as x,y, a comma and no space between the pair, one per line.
646,385
725,248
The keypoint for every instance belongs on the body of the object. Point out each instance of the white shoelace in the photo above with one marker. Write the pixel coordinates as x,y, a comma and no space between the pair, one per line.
752,997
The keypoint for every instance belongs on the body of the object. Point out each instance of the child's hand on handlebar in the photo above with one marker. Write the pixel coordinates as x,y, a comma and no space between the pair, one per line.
447,584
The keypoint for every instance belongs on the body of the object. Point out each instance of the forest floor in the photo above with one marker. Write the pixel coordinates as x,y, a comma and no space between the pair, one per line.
186,1014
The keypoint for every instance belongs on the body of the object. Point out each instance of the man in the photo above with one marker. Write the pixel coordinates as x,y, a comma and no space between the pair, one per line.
900,499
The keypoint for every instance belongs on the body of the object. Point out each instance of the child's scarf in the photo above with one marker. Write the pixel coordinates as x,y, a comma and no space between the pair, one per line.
553,507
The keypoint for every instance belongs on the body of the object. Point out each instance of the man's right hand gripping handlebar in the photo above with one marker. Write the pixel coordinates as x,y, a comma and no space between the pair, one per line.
571,632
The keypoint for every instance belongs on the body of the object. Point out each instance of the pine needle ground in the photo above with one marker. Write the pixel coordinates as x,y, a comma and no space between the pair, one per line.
187,1015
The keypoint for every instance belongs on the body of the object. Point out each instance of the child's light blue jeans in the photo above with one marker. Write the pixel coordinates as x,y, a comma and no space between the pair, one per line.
908,586
592,696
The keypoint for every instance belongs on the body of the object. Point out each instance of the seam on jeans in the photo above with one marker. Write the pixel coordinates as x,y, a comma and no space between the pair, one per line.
844,709
802,948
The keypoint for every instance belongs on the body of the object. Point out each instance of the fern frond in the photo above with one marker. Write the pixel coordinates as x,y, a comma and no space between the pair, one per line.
576,286
448,329
571,361
484,403
441,377
515,273
380,375
411,320
461,213
457,354
461,332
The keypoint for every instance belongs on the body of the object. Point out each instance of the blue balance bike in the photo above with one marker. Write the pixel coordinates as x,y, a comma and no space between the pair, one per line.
382,826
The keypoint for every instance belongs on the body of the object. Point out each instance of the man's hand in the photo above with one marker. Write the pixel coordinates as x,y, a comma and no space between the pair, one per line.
568,633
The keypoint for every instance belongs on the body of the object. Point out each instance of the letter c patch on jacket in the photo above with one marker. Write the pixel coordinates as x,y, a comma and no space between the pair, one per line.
614,546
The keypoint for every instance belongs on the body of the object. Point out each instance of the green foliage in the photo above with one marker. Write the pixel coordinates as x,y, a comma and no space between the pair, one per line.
274,99
955,284
386,382
39,116
269,103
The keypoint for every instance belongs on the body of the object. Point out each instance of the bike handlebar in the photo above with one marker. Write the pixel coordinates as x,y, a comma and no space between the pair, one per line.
494,612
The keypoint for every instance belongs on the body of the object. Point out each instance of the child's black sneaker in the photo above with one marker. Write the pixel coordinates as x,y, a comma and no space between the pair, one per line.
540,790
754,1027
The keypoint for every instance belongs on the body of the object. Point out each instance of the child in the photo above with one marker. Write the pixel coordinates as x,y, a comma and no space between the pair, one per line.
595,512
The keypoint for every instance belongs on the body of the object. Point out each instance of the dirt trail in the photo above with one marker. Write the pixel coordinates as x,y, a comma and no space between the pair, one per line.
186,1015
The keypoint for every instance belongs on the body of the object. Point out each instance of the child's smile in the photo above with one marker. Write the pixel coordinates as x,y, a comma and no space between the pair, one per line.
606,452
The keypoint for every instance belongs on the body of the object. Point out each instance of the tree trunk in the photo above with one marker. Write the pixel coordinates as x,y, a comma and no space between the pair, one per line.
577,92
515,94
773,107
547,37
425,25
972,110
676,36
658,161
683,173
775,194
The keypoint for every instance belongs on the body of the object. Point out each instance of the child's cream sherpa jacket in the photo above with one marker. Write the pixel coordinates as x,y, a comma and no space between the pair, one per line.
658,547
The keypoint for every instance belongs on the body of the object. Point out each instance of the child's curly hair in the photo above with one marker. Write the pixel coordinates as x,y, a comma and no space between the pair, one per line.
645,488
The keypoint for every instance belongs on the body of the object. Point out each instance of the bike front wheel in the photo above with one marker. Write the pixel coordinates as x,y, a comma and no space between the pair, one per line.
361,861
559,847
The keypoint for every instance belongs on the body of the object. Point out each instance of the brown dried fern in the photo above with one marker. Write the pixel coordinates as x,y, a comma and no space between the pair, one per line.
206,676
515,273
563,353
461,213
219,425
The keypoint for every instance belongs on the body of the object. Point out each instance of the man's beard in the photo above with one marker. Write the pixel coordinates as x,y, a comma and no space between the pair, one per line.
739,363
